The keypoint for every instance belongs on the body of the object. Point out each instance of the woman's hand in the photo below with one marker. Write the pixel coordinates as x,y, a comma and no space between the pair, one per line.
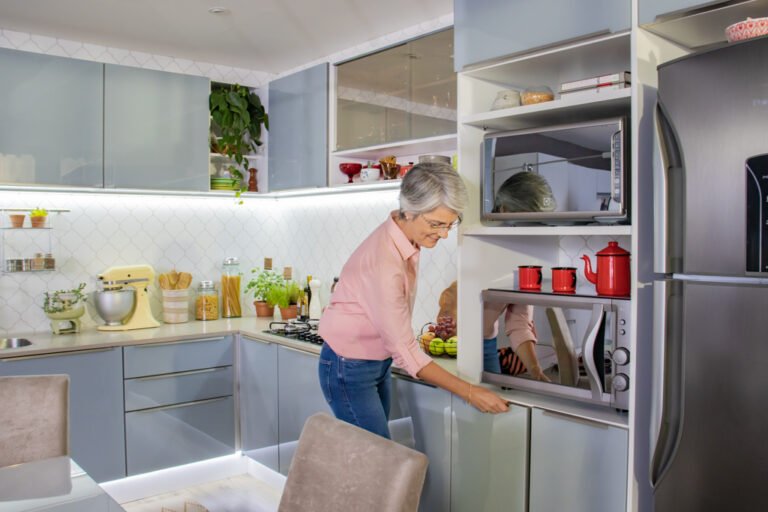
485,400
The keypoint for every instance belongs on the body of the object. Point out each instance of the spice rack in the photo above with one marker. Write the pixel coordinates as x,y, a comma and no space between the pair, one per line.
24,248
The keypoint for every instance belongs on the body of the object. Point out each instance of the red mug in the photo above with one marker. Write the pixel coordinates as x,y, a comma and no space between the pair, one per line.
529,277
564,279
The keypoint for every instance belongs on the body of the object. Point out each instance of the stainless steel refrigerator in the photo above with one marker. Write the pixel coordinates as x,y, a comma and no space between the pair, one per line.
711,292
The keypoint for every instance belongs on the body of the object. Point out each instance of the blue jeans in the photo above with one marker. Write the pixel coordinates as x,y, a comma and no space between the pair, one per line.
358,390
490,356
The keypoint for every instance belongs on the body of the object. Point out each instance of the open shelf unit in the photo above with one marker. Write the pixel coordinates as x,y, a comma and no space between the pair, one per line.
26,249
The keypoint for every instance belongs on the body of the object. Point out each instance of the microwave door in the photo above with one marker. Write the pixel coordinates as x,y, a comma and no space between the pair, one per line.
593,354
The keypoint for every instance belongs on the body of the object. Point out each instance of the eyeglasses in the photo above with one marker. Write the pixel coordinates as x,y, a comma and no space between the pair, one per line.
441,226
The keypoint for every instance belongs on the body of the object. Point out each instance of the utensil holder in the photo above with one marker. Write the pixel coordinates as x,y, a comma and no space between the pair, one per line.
175,306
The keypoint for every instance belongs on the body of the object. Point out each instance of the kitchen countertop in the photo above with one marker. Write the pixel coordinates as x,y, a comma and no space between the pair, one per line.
254,327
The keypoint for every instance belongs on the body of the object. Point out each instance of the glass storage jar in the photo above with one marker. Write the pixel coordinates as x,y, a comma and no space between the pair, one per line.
207,301
230,289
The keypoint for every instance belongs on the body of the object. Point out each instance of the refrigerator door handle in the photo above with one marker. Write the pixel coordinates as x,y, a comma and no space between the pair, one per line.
668,198
668,323
595,383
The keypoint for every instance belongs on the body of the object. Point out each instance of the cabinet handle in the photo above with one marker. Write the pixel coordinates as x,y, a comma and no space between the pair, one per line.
185,404
402,376
180,374
56,354
265,342
573,418
180,342
306,352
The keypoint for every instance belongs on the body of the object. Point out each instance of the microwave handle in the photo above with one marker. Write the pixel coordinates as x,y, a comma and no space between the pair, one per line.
595,384
616,167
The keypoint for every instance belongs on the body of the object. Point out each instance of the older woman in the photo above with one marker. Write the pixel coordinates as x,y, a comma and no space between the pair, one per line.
368,323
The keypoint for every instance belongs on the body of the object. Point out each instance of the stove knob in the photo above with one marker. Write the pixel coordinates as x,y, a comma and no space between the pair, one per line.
621,356
620,382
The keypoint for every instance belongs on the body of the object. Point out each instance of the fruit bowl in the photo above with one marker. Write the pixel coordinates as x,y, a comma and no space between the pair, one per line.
433,346
350,169
747,29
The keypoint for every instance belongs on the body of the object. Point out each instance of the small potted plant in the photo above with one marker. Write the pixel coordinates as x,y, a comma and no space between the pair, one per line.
37,217
259,285
17,220
65,307
286,297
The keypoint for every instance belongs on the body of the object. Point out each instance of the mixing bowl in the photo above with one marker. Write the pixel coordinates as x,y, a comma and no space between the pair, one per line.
114,306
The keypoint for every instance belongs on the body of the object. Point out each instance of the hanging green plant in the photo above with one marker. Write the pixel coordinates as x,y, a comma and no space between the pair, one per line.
237,115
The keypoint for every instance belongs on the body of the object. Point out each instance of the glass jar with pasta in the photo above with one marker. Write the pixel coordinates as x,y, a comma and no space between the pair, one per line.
230,289
207,301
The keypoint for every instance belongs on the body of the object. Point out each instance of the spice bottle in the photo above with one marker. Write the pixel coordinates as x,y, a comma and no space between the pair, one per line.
207,301
230,289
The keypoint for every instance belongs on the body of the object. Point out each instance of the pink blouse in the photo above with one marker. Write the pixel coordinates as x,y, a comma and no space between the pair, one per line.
518,322
369,315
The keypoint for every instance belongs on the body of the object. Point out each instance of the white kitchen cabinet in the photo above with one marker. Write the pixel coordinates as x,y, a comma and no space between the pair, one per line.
489,460
420,418
96,431
491,29
51,110
257,368
577,464
156,127
299,397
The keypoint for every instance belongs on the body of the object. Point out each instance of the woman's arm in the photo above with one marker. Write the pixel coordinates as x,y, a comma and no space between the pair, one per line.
481,398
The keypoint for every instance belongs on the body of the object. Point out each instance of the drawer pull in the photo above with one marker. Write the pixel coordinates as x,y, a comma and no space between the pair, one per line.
180,342
185,404
576,419
179,374
265,342
56,354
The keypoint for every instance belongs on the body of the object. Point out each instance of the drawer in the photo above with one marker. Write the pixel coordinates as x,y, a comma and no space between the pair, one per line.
141,360
179,434
175,388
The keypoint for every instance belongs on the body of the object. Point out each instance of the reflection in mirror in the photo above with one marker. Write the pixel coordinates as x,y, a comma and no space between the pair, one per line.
404,92
558,335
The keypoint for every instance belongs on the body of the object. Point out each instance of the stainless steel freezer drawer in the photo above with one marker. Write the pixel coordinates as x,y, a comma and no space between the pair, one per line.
154,359
179,434
175,388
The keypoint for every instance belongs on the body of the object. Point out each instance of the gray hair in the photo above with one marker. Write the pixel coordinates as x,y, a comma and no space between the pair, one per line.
430,185
525,192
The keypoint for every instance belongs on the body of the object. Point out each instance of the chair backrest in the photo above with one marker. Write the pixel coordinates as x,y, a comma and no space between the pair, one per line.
339,467
34,418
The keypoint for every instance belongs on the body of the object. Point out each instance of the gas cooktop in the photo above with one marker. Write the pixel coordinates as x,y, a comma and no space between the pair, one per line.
297,330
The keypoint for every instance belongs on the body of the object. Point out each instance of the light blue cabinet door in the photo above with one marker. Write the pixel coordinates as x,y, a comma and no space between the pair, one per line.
299,397
489,29
155,129
51,111
420,418
179,434
258,401
96,432
651,9
159,358
576,464
298,129
489,460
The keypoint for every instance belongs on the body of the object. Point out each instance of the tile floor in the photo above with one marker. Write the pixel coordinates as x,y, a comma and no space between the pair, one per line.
241,493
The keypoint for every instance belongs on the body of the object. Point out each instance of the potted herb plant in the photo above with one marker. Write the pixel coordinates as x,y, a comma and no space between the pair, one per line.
237,115
259,285
37,217
65,306
286,297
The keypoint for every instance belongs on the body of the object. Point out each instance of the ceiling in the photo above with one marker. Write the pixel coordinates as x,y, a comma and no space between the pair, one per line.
264,35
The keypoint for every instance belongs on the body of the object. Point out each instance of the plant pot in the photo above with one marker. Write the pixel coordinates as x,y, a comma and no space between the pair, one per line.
37,222
290,312
263,309
17,220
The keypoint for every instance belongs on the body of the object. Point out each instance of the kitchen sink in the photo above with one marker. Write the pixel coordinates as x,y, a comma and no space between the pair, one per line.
14,343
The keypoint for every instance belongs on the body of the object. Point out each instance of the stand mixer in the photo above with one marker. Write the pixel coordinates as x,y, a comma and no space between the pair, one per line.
114,304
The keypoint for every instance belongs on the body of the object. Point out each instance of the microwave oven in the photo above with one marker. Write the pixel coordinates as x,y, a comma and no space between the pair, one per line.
582,345
566,174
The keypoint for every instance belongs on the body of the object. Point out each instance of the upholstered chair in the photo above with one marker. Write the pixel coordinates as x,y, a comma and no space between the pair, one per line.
34,418
339,467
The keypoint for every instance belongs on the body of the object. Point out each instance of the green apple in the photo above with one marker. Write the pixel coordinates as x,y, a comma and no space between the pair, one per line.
451,346
436,347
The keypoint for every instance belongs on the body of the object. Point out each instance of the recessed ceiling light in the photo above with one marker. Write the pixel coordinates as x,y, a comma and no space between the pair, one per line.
218,10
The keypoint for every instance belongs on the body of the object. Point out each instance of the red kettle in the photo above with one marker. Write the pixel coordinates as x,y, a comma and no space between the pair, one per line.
612,276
